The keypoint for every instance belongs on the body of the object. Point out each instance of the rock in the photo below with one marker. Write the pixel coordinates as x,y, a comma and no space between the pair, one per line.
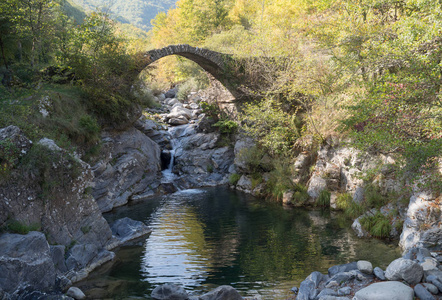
171,93
25,261
365,267
75,293
57,254
16,137
435,281
341,277
179,111
327,292
307,289
240,149
429,263
315,186
417,254
405,269
180,120
130,164
388,290
344,291
224,292
294,290
379,273
342,268
154,131
79,256
244,184
423,293
169,292
126,229
287,197
431,288
357,227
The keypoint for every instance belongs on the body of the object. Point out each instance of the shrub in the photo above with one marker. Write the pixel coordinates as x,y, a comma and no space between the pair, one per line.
323,198
300,195
377,225
373,197
343,201
226,126
353,210
15,226
234,178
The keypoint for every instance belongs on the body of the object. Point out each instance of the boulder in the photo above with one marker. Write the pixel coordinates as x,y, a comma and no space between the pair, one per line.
365,267
307,289
57,254
169,292
180,120
379,273
241,146
404,269
171,93
342,268
423,293
154,131
25,261
126,229
179,111
130,164
431,288
224,292
79,256
75,293
388,290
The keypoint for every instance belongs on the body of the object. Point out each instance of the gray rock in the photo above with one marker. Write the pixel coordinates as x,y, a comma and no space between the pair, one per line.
341,277
344,291
180,120
244,184
431,288
25,260
435,281
436,272
327,292
224,292
169,292
57,254
429,263
365,267
79,256
417,253
130,164
75,293
307,289
171,93
126,229
388,290
316,185
405,269
16,137
241,147
179,111
294,290
379,273
342,268
423,293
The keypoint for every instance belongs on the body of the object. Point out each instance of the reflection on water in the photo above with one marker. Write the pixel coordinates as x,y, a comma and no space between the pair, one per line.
205,238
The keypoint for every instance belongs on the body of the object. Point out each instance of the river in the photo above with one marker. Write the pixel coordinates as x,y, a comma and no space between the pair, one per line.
204,238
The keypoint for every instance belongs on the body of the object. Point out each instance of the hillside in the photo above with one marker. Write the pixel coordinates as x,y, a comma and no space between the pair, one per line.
135,12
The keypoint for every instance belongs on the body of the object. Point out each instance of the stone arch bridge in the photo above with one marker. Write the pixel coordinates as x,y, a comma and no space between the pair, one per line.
223,67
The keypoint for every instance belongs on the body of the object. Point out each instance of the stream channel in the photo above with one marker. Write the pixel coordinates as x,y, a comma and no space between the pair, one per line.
203,238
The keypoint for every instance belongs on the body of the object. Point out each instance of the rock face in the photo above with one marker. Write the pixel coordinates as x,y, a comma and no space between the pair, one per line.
25,262
131,163
421,227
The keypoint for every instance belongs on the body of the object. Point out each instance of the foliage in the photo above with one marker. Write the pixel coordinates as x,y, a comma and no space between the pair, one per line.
300,194
323,199
227,126
252,158
234,178
15,226
9,155
54,170
354,210
192,85
274,129
377,225
373,197
343,200
280,178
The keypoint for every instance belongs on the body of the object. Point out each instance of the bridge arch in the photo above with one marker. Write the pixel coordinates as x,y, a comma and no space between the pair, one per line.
215,63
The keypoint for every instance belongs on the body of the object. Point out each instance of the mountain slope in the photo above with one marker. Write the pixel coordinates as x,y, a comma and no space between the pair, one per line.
135,12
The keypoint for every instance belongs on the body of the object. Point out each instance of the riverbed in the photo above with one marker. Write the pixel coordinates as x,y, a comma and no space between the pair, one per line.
203,238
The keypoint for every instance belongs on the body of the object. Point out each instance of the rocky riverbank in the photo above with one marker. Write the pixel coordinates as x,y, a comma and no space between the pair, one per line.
418,274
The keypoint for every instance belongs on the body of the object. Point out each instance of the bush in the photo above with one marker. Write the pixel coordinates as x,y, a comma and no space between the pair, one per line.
343,201
377,225
373,197
323,198
226,126
300,194
234,178
353,210
15,226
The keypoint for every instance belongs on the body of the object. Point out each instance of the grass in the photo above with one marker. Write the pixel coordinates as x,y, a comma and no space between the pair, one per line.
377,225
15,226
343,200
234,178
323,199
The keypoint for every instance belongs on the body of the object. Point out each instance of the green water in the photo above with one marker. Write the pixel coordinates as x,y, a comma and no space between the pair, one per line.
209,237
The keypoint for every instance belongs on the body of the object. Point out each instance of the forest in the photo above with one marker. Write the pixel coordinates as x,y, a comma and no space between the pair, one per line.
368,71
